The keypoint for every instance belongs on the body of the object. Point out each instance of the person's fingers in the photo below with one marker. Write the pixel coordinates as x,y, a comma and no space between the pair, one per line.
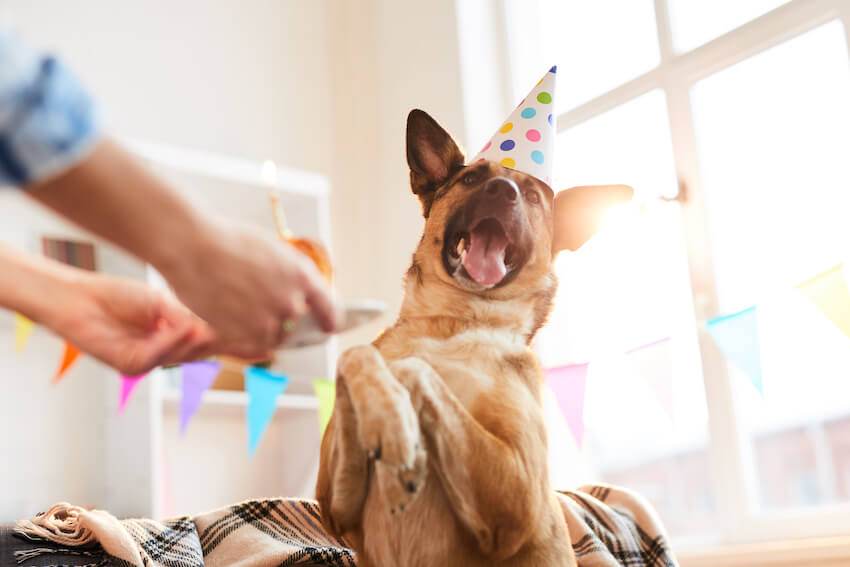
322,305
195,346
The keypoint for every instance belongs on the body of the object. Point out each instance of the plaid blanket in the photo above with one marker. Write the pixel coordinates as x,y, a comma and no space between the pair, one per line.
609,527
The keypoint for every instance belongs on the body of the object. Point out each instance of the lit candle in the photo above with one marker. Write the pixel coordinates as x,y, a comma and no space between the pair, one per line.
269,175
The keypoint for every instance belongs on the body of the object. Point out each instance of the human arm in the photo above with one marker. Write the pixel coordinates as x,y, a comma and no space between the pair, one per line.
121,322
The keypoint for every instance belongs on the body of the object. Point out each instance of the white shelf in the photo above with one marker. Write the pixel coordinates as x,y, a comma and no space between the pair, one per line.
225,399
228,168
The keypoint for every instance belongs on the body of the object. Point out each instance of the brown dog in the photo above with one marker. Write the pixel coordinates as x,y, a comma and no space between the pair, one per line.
436,453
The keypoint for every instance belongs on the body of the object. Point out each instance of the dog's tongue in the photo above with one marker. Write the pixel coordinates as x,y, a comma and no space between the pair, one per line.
485,257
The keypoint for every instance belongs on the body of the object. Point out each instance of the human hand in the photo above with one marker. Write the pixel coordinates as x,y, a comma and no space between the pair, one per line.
126,324
247,287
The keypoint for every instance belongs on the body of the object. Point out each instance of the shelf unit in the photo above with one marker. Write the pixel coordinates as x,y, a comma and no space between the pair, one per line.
209,466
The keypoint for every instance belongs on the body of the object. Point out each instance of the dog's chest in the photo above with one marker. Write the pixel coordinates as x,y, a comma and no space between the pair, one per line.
470,363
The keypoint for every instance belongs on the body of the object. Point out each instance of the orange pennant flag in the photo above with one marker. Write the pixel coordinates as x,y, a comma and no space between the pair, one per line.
68,358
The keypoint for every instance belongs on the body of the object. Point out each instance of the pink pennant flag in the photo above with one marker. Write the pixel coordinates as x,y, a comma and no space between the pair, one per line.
568,384
128,386
197,379
654,363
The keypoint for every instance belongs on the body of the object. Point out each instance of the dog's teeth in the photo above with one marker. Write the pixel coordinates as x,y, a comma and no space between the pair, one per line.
460,247
462,255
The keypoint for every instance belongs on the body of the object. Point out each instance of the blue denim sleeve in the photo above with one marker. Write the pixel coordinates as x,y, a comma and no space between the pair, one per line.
48,122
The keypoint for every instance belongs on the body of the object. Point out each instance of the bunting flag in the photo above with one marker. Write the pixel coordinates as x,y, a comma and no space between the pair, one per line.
737,336
128,386
197,379
654,363
828,291
23,330
326,394
263,388
69,356
568,385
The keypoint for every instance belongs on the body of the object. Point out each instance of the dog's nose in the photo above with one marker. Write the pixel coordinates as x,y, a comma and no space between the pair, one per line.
502,188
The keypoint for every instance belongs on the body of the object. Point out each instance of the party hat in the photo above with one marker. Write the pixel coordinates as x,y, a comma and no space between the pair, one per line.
526,140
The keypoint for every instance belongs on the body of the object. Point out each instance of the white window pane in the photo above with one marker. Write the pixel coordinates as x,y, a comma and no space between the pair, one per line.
774,139
627,287
696,22
629,144
596,45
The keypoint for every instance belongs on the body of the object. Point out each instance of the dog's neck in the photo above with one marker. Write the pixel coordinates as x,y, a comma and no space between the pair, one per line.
440,310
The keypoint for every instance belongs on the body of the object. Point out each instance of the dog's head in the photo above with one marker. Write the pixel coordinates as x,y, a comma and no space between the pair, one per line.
489,229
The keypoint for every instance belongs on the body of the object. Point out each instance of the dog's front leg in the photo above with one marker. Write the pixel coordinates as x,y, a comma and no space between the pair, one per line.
373,420
491,474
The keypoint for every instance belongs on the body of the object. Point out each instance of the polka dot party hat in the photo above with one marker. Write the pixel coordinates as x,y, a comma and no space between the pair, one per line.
526,140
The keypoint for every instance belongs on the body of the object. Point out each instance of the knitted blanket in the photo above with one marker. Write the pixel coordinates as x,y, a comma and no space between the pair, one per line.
609,527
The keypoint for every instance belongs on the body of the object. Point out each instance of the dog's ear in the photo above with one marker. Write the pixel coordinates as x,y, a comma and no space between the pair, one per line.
432,154
578,211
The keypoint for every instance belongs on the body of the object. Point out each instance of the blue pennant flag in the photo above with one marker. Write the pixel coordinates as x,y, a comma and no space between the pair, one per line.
263,388
737,336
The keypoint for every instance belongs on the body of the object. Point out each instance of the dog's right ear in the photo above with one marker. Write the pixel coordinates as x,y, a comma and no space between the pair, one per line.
432,154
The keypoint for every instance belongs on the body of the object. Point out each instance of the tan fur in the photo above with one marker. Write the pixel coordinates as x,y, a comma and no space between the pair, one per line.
436,453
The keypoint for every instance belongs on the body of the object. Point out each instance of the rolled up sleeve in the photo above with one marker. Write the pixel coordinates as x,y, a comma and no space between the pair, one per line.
48,122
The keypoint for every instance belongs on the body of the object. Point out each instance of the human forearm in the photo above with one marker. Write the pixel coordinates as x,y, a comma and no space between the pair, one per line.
115,197
34,287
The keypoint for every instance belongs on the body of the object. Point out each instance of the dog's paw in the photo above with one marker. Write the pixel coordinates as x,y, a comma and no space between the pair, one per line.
399,486
389,428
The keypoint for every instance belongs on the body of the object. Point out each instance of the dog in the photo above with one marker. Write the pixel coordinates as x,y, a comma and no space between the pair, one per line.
436,451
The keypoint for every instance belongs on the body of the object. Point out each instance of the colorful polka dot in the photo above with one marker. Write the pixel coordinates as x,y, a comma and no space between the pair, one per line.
554,69
537,156
528,113
544,98
484,149
508,162
550,120
507,145
533,135
507,127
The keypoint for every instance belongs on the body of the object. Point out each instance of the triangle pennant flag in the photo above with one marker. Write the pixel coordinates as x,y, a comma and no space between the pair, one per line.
69,356
23,330
128,386
326,393
568,385
737,336
828,291
198,377
654,363
263,388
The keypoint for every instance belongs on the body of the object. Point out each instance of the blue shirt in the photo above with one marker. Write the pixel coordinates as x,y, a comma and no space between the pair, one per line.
48,122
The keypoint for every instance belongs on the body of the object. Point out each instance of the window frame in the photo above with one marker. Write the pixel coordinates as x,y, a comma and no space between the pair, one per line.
734,478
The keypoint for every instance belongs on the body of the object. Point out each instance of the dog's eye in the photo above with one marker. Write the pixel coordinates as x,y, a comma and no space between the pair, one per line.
532,197
469,178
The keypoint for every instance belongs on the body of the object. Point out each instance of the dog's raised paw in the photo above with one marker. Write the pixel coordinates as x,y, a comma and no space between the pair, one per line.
399,486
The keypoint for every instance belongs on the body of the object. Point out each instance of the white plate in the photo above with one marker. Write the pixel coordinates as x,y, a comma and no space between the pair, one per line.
356,313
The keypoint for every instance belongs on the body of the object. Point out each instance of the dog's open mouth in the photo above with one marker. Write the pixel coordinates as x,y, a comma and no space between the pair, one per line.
483,253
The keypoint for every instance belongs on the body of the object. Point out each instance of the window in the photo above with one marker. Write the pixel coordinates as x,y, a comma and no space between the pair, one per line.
741,109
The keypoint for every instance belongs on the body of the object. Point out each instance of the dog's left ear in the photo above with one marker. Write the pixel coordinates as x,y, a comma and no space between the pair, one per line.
578,211
432,154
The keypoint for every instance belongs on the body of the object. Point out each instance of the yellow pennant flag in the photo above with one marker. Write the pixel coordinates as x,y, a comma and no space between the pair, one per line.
828,291
326,392
23,330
